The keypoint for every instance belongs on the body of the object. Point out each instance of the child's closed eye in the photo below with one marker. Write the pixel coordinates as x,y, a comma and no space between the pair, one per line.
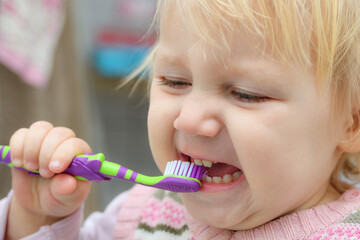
247,97
235,93
173,82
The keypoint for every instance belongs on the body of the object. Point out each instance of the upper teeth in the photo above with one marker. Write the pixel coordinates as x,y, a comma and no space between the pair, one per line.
203,163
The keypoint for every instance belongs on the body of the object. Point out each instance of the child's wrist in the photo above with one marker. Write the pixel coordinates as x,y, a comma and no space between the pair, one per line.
23,222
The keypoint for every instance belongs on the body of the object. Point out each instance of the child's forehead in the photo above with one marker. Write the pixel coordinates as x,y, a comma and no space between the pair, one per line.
219,23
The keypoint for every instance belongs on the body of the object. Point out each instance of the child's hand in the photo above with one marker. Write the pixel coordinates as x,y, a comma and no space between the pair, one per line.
50,198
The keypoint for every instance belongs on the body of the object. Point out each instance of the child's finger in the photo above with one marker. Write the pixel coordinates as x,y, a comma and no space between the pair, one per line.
16,144
33,141
52,141
64,154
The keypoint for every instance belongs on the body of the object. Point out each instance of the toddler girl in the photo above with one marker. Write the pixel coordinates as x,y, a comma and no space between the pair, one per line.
265,94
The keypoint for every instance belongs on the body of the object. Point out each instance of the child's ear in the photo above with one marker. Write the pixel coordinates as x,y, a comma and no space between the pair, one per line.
351,140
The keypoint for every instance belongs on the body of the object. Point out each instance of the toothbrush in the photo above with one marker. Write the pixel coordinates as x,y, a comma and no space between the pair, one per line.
179,176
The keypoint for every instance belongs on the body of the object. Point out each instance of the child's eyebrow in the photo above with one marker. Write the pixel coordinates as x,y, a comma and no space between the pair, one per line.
261,71
163,58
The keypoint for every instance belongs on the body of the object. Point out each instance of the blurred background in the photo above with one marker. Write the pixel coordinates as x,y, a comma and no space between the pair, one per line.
62,61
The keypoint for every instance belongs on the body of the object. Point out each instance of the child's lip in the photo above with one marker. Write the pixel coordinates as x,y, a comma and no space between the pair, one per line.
211,187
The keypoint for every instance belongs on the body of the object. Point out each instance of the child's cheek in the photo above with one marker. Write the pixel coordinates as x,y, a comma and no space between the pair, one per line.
161,117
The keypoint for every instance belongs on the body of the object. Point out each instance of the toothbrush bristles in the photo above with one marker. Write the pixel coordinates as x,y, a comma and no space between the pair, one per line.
187,169
172,167
190,170
176,172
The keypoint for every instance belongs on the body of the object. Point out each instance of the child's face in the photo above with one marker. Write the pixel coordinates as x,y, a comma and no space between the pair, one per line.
249,113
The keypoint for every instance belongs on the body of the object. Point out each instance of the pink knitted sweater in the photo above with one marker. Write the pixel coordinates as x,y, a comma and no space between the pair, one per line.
153,214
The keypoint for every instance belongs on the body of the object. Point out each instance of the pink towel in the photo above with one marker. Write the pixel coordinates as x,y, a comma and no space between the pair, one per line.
29,32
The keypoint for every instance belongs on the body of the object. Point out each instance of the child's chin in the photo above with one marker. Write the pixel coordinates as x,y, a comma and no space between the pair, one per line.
212,215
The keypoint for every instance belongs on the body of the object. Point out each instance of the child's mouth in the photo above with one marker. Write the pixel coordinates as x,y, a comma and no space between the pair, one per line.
217,173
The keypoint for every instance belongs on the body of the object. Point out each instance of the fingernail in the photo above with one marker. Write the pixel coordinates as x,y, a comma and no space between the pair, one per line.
30,166
44,172
17,162
55,164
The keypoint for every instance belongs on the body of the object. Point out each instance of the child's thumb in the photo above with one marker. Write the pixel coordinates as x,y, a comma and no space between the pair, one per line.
63,184
68,190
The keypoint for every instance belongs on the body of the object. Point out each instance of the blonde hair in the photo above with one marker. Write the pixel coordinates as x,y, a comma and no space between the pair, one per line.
320,34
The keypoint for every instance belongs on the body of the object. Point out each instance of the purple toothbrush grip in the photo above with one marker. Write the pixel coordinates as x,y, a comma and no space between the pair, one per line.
177,184
7,159
85,169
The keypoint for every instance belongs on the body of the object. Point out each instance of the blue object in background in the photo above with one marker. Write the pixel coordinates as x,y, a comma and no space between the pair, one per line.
119,60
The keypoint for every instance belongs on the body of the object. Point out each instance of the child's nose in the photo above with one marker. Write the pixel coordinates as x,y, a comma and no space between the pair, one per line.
199,116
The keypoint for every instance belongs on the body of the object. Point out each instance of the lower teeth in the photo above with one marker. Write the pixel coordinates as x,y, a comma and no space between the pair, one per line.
228,178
